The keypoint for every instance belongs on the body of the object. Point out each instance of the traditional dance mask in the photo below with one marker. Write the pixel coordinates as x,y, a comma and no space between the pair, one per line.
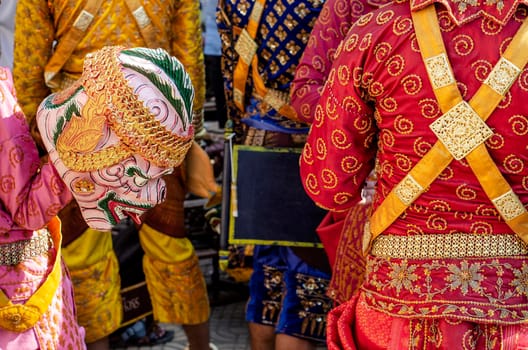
117,130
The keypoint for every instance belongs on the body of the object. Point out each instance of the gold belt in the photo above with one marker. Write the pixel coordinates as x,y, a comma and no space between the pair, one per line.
454,245
14,253
21,317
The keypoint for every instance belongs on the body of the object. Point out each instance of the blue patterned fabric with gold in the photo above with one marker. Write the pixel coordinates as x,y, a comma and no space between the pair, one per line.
288,294
280,39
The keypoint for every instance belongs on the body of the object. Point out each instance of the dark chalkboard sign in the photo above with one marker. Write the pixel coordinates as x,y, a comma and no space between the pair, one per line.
268,202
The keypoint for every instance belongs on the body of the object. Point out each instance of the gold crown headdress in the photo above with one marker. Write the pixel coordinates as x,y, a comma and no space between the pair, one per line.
113,102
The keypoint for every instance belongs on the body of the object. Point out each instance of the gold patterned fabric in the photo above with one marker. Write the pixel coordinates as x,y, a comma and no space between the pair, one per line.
96,285
175,282
178,291
40,23
282,33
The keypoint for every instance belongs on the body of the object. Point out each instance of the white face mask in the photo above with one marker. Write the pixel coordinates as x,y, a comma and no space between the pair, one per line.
122,178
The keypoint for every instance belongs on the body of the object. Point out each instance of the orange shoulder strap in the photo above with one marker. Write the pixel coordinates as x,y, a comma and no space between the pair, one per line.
69,42
144,23
246,48
461,129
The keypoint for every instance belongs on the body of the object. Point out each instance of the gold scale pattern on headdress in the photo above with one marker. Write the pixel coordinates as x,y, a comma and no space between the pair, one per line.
139,132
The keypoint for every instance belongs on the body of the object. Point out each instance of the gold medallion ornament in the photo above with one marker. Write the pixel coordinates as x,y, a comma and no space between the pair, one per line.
502,76
408,190
461,130
83,186
440,73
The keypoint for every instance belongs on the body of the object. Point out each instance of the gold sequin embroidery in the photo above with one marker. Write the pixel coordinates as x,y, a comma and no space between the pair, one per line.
502,76
509,205
439,71
461,130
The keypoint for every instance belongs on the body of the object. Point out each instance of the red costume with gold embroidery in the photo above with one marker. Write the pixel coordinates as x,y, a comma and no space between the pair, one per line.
343,247
447,270
336,18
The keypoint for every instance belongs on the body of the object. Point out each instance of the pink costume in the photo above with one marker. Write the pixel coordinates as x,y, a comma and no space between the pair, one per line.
342,247
448,272
30,198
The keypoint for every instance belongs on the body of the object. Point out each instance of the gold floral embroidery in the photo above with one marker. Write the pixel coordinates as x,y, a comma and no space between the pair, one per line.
464,277
520,282
463,4
402,276
451,288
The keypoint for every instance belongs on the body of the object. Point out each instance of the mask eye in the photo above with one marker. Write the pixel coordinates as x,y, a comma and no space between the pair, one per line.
138,176
140,181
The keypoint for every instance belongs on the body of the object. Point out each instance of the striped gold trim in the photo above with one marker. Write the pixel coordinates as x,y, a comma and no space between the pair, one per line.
246,47
446,246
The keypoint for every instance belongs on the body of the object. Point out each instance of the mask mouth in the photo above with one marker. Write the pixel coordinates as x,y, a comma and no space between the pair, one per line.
120,213
117,209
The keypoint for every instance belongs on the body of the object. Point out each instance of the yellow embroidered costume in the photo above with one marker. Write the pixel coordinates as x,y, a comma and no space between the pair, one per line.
51,40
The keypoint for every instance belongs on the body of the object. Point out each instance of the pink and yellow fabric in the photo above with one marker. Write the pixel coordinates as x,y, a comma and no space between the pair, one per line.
113,135
115,132
173,25
36,298
378,103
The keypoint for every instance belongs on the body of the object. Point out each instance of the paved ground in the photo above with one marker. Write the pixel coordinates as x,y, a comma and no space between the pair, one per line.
228,330
227,324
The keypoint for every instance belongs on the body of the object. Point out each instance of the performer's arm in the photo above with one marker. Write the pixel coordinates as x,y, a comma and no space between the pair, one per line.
346,121
31,195
34,36
332,25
